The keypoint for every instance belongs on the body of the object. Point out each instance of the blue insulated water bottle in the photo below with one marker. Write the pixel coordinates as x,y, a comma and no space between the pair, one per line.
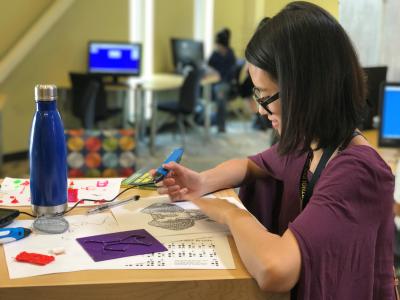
47,155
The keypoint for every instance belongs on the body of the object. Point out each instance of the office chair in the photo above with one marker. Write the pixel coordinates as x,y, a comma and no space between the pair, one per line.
235,79
89,102
375,76
236,105
183,110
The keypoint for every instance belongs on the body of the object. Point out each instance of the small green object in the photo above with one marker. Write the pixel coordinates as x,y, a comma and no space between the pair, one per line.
142,179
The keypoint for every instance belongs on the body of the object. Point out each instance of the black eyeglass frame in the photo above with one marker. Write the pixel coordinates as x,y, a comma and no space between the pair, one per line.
265,101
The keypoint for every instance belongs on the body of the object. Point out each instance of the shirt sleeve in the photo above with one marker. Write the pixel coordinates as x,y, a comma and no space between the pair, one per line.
212,60
397,185
339,232
270,161
260,196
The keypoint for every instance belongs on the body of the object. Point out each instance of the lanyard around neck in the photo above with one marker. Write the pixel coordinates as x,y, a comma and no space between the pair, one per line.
306,188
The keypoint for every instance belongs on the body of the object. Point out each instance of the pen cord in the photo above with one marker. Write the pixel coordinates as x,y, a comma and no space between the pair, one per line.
28,214
77,203
103,201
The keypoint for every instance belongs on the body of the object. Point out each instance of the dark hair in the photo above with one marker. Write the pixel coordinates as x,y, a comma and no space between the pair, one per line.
263,22
223,37
322,86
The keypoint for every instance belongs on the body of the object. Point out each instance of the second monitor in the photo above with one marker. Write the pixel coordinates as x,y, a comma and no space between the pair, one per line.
389,129
187,52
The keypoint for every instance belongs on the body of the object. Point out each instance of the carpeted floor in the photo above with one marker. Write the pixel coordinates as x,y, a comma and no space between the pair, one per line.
240,140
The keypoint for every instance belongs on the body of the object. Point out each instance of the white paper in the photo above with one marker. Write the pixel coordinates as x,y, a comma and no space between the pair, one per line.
232,200
206,251
160,217
197,251
16,191
75,257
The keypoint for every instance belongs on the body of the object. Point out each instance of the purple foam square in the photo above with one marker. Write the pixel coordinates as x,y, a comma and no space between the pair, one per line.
120,244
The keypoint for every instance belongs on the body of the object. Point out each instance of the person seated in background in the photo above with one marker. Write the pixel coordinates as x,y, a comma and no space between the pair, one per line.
223,60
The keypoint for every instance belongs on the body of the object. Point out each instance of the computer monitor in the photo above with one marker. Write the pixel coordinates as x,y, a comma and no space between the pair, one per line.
375,76
389,128
114,58
186,52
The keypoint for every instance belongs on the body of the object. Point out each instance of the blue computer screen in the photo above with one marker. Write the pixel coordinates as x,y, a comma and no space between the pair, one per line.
114,58
391,113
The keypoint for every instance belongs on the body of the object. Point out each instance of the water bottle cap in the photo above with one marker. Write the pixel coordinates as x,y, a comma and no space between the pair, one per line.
45,92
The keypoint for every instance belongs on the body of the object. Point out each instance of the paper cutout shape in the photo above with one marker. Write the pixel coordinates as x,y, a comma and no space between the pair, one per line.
120,244
34,258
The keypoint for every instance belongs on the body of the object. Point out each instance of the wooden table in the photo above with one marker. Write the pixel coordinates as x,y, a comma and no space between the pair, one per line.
136,284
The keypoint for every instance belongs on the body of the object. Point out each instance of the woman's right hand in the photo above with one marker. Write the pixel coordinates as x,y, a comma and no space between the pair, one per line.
181,183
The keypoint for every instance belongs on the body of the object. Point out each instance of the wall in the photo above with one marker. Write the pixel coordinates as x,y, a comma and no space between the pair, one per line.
363,34
62,50
374,29
273,7
390,45
10,11
172,18
242,17
232,14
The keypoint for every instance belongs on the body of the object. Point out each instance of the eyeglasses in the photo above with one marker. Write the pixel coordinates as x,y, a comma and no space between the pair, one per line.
264,101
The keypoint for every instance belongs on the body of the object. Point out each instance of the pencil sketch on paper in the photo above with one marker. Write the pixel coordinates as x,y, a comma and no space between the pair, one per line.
102,221
172,217
161,217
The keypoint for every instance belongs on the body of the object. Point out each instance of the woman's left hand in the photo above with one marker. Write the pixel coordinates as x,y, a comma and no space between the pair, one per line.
219,210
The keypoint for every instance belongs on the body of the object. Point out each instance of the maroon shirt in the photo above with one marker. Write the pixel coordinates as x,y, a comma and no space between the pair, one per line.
345,233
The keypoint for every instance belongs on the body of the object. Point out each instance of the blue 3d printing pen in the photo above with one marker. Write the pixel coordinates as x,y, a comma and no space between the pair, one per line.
13,234
175,156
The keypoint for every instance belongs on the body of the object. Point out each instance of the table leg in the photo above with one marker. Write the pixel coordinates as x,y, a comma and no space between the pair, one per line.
126,106
207,110
143,114
153,128
137,102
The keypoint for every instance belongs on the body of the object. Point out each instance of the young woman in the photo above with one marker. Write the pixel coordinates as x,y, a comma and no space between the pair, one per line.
333,216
